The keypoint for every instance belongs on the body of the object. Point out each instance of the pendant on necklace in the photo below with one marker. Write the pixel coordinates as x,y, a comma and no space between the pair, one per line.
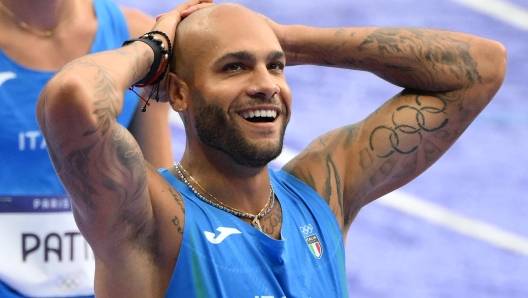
256,223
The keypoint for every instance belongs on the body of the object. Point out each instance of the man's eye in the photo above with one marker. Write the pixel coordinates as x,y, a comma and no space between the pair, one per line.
232,66
276,66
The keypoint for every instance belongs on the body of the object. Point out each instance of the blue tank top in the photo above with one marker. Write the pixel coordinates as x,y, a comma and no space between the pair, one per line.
222,256
26,168
28,182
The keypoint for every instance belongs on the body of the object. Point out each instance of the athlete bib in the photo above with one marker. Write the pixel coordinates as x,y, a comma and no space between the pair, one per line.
39,257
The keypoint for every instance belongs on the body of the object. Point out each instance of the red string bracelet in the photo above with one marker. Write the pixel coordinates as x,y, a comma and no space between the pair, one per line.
159,67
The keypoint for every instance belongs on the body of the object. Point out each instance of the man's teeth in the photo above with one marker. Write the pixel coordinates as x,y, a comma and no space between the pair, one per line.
259,113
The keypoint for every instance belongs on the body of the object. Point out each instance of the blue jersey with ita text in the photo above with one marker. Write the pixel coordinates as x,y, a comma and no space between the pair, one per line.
26,167
223,256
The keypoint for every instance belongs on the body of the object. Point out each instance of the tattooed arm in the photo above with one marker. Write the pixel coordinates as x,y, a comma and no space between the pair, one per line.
132,218
100,164
448,78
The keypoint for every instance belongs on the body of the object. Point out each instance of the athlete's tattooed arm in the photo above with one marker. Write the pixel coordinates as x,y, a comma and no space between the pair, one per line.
129,214
448,78
98,161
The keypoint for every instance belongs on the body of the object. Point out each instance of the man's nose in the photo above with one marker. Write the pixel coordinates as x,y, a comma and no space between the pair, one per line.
263,85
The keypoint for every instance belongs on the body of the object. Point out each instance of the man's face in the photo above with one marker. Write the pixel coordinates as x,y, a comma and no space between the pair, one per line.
238,80
222,131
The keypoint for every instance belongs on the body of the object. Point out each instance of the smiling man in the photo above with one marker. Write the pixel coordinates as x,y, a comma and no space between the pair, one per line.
220,223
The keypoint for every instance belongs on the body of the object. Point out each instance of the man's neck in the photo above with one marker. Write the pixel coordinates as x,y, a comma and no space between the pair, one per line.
241,187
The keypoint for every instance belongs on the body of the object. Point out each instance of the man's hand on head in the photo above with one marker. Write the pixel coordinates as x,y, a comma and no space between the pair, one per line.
189,7
278,29
167,23
195,7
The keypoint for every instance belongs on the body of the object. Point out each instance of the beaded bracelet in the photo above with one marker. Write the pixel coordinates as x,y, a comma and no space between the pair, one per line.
167,55
159,67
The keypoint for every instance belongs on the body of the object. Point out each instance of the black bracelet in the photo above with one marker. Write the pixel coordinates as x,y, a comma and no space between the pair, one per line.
156,48
155,74
168,51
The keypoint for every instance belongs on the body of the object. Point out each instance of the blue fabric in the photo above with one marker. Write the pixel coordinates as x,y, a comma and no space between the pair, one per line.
248,263
26,168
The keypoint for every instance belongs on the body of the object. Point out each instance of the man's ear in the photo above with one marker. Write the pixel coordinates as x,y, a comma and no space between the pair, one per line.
178,92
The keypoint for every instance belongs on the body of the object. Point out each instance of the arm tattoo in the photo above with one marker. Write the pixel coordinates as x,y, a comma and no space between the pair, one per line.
105,107
431,54
76,165
410,126
109,163
176,221
329,186
332,179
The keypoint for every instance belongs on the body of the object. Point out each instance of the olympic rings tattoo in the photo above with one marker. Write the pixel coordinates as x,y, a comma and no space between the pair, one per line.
398,129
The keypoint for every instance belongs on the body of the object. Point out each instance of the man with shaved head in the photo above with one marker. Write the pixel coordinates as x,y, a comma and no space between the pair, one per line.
220,223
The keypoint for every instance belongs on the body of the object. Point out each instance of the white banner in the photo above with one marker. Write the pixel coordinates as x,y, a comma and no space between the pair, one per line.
44,254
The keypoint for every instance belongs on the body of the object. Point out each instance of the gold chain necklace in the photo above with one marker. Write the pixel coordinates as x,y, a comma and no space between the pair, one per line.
42,33
255,218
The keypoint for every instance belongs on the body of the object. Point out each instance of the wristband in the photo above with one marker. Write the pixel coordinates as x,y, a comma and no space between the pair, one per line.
162,57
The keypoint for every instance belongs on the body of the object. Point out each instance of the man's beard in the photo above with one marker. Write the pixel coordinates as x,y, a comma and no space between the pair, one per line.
214,130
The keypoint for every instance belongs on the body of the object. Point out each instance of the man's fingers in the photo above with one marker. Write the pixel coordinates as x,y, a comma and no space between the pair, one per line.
159,16
194,8
194,2
167,22
187,7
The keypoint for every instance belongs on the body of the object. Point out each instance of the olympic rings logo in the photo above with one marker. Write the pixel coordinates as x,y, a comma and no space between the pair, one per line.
306,229
69,283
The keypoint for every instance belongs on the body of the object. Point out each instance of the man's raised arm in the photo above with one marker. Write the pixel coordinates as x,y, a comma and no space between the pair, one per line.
448,79
97,160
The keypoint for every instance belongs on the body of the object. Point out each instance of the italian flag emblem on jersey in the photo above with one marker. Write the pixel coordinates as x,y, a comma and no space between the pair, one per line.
314,245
